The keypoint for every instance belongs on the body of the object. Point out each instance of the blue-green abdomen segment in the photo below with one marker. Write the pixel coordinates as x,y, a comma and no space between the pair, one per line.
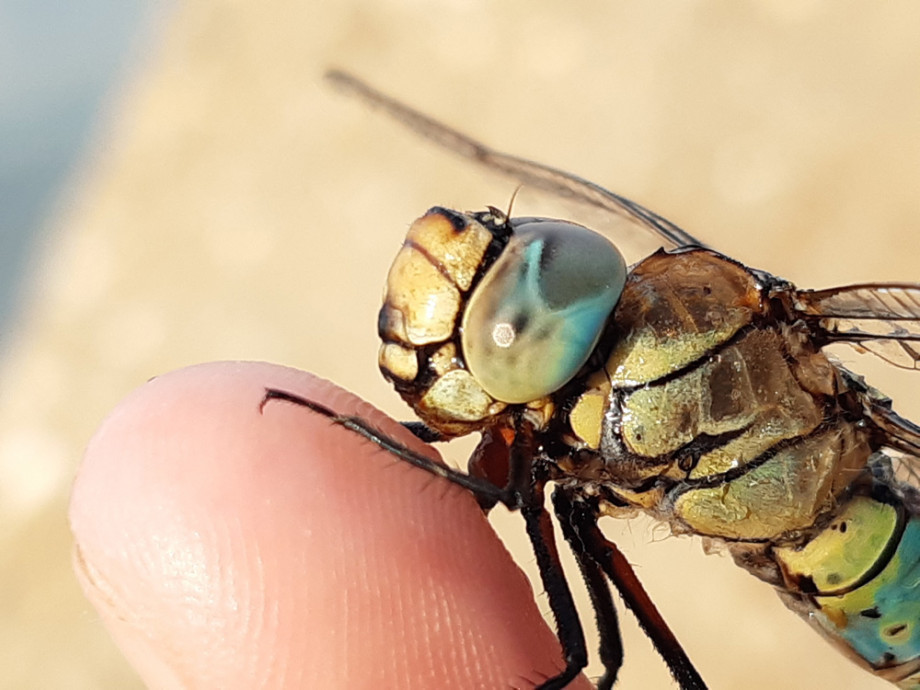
863,571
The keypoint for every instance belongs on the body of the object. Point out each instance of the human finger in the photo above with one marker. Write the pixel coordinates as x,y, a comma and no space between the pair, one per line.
228,546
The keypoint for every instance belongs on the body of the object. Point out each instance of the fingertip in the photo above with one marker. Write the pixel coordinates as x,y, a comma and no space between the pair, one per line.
289,549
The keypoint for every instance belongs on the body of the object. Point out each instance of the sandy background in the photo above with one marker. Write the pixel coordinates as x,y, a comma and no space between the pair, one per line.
236,207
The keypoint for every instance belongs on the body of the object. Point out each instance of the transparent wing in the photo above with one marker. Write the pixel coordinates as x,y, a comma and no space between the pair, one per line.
901,436
883,319
543,177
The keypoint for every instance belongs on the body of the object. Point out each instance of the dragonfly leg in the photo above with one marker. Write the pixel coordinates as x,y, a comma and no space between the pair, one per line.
423,432
611,644
568,626
482,489
526,482
612,561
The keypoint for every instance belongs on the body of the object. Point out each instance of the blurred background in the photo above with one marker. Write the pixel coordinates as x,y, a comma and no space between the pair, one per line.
178,185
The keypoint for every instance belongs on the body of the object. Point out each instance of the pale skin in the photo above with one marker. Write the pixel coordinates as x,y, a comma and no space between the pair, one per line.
226,547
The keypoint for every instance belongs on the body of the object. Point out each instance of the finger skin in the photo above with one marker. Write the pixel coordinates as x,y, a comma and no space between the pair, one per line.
226,547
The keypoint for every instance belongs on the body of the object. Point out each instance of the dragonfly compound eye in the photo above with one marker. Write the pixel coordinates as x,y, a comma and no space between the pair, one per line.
536,316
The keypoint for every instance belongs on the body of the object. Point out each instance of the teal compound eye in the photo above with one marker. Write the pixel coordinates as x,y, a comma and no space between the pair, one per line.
537,314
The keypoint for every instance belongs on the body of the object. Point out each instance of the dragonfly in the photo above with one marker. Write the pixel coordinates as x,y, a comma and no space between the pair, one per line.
688,386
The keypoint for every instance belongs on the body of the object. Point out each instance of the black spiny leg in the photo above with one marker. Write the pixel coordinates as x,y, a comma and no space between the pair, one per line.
568,626
612,561
423,432
483,490
611,644
529,490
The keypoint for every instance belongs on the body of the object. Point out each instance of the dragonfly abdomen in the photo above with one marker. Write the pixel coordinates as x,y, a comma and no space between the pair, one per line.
857,581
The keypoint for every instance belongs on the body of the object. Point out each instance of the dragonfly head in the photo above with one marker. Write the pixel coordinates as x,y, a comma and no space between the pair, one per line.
482,312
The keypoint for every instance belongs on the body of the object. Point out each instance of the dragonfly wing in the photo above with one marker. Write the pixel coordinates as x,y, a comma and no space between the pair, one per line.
544,177
900,434
903,437
880,318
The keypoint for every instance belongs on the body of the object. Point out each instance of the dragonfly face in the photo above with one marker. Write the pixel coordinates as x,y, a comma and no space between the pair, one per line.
482,312
690,387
